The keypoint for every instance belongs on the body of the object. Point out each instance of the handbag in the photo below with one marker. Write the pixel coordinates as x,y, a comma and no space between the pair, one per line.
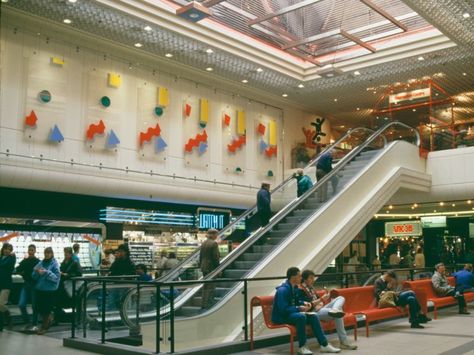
388,299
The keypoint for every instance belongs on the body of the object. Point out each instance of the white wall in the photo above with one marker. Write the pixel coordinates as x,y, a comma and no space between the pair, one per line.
76,89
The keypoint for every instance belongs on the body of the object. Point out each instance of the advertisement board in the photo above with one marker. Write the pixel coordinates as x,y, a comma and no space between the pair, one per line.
403,229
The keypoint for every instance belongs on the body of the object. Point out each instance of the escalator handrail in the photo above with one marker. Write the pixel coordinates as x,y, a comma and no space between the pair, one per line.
178,269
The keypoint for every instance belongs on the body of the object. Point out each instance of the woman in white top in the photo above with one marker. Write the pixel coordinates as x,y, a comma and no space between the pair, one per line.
419,258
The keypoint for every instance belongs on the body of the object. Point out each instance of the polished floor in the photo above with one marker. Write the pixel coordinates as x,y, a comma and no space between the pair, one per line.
451,334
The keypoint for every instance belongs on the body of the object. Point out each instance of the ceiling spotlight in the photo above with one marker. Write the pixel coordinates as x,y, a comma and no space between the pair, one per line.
209,69
67,21
357,73
284,95
415,205
412,207
375,92
335,100
259,70
301,86
420,58
466,15
469,202
441,203
209,51
343,126
193,12
245,81
414,110
138,45
435,211
168,55
71,1
453,205
464,74
358,109
147,28
330,75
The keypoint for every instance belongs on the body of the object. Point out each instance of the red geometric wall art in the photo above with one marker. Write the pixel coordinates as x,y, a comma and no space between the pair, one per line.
95,129
236,144
149,134
31,119
194,142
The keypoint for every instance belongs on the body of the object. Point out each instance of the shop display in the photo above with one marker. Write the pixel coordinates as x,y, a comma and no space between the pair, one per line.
89,253
141,253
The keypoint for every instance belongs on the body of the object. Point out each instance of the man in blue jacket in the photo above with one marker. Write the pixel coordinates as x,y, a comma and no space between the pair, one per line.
465,279
304,182
324,167
287,309
264,200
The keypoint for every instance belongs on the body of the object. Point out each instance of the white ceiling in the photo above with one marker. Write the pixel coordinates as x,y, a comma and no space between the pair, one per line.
118,21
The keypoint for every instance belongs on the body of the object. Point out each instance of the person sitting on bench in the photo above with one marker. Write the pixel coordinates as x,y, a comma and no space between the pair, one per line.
386,283
443,288
326,312
288,309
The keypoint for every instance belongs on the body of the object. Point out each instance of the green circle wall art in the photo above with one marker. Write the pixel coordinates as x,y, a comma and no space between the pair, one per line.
105,101
158,111
44,96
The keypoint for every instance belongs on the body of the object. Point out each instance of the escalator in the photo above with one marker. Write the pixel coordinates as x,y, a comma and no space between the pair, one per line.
305,232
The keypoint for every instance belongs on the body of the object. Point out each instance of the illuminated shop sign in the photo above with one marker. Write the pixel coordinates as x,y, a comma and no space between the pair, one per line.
409,95
216,219
403,229
433,222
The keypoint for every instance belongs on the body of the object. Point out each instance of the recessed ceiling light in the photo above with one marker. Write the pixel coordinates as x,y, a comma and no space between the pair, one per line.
335,100
375,92
245,81
453,205
259,70
414,110
435,211
193,15
284,95
330,75
138,45
72,1
147,28
358,109
301,86
67,21
464,74
209,69
168,55
209,51
469,202
420,58
357,72
415,205
441,203
466,15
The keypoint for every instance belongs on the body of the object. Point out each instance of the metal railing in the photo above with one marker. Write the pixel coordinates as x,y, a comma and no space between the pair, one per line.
172,286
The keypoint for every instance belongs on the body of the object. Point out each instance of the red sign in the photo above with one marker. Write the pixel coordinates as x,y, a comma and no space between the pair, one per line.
395,229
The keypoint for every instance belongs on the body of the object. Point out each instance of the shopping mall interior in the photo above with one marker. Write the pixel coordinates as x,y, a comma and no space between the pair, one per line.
335,136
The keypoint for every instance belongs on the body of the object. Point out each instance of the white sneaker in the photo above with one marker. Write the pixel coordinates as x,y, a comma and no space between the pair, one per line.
330,349
336,313
304,350
347,345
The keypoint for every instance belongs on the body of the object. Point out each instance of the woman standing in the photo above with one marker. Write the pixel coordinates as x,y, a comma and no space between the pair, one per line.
7,265
47,276
419,258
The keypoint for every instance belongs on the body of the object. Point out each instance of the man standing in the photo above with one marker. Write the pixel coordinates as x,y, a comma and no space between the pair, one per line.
209,258
264,200
324,167
443,288
25,269
75,256
387,282
304,182
288,309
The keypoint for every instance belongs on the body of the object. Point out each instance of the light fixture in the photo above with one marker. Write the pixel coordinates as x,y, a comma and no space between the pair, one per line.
209,69
453,205
147,28
466,15
414,110
358,109
415,205
67,21
435,211
245,81
71,1
168,55
193,12
209,51
464,74
335,100
301,86
138,45
441,203
343,126
284,95
357,73
375,92
420,58
259,70
469,202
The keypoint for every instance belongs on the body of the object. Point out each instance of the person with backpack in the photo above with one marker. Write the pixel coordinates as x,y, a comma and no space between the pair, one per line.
304,182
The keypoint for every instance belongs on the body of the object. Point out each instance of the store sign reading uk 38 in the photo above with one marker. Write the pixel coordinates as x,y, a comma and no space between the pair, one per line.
403,229
216,219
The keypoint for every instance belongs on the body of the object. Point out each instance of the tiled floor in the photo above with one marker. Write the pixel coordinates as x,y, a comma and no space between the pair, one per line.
450,334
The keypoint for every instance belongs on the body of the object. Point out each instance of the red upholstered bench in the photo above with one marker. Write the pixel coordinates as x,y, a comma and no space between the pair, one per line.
361,300
426,286
266,302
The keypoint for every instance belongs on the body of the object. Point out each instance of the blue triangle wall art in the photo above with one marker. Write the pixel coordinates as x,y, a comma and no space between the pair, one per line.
202,148
112,139
263,145
55,135
160,144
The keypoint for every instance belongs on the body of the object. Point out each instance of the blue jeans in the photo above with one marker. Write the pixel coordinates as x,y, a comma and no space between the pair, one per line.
28,295
409,298
299,320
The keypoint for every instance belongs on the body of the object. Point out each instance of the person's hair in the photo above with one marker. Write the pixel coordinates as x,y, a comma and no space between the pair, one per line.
307,273
438,265
391,273
292,271
265,184
299,172
124,248
76,247
32,246
419,250
68,250
468,267
49,250
172,255
212,231
108,251
6,246
142,267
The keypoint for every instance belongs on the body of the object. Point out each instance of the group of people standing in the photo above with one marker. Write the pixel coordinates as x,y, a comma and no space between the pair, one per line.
43,286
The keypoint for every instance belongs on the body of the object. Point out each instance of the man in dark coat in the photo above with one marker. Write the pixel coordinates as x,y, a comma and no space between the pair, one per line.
264,200
209,257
